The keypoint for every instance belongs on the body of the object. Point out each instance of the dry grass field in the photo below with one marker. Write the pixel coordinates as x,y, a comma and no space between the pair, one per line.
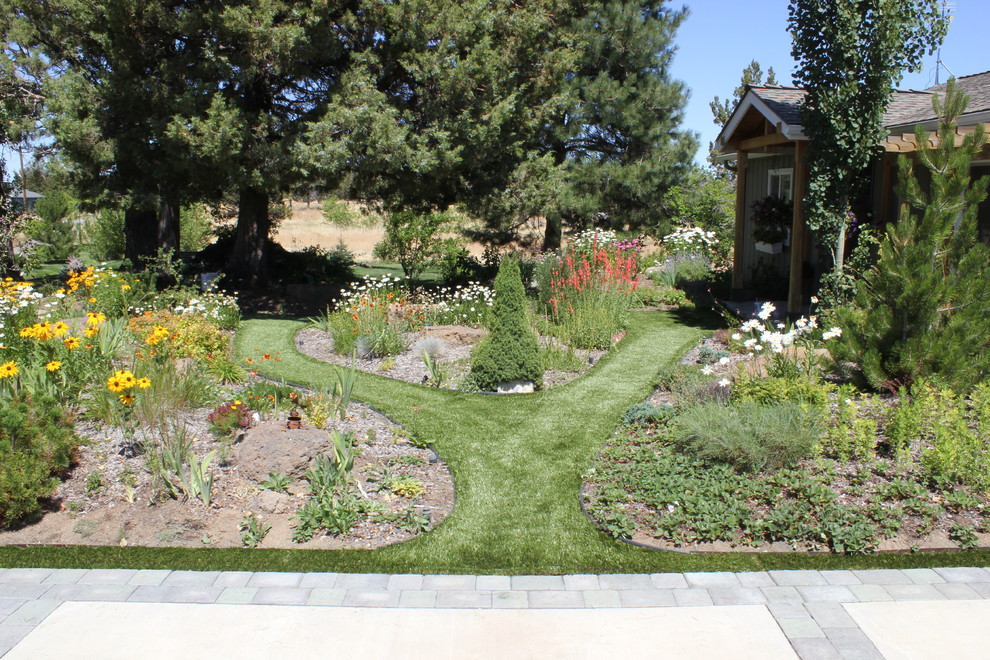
306,226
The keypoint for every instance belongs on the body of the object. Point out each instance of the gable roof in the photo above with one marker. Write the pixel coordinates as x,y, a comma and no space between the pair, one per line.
781,106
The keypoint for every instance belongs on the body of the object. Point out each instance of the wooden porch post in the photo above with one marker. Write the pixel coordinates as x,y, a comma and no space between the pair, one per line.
799,233
740,236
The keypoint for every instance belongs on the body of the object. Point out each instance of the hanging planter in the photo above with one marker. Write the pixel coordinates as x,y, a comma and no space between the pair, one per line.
772,218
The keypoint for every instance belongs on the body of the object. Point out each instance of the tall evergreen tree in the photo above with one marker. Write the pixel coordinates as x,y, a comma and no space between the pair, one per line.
923,310
122,76
618,140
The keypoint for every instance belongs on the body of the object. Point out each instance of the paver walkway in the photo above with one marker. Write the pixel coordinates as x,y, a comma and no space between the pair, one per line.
939,612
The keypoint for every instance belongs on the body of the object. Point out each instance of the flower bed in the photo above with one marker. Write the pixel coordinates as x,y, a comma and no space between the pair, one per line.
750,445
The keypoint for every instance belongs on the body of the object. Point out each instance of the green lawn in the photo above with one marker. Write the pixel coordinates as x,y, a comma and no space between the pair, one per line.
517,463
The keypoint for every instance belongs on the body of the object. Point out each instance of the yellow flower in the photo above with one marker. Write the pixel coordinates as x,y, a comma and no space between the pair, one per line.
125,287
54,365
92,300
95,318
42,331
143,383
60,329
91,332
126,399
114,383
71,343
27,332
8,369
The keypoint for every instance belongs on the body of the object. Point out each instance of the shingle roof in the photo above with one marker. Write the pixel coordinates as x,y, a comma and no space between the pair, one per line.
977,86
906,106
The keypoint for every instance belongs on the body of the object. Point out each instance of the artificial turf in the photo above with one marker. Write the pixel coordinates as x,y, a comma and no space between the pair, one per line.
517,463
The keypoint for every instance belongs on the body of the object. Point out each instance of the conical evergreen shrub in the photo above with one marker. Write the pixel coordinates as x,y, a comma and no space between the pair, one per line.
510,351
923,311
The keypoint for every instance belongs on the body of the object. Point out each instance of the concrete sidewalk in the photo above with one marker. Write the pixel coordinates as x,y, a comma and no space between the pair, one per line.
917,613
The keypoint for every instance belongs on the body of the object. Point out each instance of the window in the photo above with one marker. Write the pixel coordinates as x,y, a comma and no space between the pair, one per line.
781,183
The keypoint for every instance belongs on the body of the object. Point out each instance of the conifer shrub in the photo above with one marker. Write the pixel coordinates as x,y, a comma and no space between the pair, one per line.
923,311
36,443
510,351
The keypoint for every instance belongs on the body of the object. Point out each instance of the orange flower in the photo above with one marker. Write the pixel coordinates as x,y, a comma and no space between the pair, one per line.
266,356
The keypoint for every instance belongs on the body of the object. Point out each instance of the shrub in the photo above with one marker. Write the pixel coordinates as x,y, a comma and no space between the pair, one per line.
188,336
510,352
922,311
105,232
768,391
36,443
749,436
413,240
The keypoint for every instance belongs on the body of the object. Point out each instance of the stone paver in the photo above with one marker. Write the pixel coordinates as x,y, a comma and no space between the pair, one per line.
852,644
555,599
281,596
708,580
418,599
914,592
963,574
537,582
815,648
450,582
107,576
808,606
274,580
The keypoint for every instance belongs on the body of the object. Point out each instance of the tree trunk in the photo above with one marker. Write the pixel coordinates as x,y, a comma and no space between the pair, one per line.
554,232
168,222
249,259
140,235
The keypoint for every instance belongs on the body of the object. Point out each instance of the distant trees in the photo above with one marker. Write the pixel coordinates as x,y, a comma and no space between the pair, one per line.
722,110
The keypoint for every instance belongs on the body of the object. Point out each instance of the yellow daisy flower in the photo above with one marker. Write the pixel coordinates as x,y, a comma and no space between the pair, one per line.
8,369
91,332
54,365
114,383
71,343
143,383
126,399
60,329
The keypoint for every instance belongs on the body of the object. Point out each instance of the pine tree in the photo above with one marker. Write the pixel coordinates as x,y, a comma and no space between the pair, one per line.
510,352
923,310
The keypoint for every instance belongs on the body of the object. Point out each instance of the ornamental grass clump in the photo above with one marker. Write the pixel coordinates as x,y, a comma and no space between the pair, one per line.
511,351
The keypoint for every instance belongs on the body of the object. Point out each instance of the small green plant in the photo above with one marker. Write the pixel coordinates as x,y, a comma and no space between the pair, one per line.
405,486
276,482
344,387
411,520
964,536
198,478
94,484
319,408
408,460
641,414
253,530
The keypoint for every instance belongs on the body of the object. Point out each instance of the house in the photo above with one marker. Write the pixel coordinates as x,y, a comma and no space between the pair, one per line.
765,138
18,199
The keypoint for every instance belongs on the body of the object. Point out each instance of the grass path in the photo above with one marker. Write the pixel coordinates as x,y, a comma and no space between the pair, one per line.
517,463
517,460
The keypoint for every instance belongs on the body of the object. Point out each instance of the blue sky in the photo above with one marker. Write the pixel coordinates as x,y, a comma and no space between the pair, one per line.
720,37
